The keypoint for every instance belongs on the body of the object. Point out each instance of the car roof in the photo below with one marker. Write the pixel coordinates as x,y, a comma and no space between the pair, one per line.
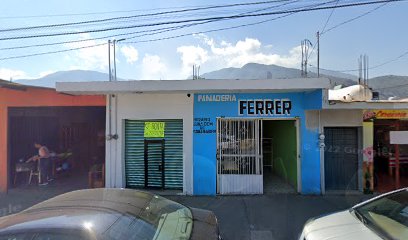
96,208
380,196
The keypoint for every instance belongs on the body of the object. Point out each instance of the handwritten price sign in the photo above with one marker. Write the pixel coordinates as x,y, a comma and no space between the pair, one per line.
154,129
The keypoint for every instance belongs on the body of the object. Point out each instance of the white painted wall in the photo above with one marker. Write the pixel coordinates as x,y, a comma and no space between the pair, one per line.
334,118
144,107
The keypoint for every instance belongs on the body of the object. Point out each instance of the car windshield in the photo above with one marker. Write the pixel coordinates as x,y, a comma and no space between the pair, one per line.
134,215
388,215
160,219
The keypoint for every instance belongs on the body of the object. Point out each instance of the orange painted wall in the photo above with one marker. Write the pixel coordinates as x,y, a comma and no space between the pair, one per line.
33,97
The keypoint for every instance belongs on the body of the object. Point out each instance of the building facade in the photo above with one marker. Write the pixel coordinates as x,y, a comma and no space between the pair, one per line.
206,137
29,114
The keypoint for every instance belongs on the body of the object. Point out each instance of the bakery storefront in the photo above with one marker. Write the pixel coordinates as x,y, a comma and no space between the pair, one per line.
252,143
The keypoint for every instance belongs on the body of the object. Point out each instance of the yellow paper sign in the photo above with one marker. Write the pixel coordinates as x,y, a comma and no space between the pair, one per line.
154,130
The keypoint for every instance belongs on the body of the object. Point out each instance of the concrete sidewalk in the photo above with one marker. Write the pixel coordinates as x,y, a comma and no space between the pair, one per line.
273,216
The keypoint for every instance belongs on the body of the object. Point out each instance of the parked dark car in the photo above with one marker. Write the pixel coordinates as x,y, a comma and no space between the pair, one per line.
109,214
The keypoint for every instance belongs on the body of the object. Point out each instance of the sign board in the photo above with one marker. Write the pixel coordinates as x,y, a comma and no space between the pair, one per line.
398,137
385,114
154,129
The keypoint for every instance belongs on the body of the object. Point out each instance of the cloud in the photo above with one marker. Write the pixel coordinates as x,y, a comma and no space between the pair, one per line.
45,73
131,54
89,58
153,67
212,54
191,55
250,50
7,74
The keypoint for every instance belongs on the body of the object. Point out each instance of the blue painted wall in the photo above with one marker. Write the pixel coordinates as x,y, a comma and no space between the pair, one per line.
207,107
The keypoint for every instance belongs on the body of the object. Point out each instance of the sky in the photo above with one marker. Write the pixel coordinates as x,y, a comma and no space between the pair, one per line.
381,35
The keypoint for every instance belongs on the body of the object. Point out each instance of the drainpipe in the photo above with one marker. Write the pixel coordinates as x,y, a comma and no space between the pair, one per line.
109,135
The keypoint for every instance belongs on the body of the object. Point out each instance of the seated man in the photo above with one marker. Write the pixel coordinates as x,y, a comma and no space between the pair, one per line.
43,159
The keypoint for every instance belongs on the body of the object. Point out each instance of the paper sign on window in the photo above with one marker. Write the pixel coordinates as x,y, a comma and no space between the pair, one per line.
154,130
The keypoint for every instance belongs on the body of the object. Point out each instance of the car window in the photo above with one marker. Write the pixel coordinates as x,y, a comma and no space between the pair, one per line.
43,236
387,215
18,236
153,222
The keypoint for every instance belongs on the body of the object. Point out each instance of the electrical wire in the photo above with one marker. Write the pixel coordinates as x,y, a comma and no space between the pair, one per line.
140,15
328,19
200,20
378,65
151,32
46,53
66,50
347,21
220,29
324,27
355,18
243,25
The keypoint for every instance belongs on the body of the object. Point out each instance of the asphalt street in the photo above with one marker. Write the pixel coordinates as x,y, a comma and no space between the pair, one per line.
275,216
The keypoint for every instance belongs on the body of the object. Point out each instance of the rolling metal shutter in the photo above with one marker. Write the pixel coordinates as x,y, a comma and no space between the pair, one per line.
134,153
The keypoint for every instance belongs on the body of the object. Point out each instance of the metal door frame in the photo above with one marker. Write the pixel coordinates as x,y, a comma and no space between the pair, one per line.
146,162
258,165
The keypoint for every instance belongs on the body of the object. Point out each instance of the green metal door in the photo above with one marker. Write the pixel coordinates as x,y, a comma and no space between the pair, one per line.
154,163
135,167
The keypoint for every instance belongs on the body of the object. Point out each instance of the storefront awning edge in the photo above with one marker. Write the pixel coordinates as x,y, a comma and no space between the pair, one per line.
192,86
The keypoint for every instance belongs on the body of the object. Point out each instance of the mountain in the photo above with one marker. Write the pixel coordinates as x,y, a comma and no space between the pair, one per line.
262,71
334,73
65,76
387,86
390,86
253,71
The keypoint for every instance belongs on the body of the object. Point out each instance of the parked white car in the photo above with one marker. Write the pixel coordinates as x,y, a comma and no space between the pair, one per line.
382,217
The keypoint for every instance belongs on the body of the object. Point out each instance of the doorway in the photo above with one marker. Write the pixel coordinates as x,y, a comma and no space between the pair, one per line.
154,163
75,136
341,158
384,158
239,156
280,156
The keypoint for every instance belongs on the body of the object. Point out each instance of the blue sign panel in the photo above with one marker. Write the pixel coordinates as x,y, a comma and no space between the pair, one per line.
209,107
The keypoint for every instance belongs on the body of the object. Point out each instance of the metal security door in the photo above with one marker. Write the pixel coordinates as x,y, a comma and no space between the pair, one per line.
154,163
239,156
341,158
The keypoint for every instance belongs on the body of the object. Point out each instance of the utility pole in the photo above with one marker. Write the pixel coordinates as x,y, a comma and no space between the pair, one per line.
318,54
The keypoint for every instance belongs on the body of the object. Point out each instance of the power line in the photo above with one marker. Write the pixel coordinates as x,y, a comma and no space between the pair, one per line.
221,29
92,13
202,19
66,50
355,18
156,31
140,15
396,86
378,65
328,19
151,40
324,27
151,31
45,53
348,21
